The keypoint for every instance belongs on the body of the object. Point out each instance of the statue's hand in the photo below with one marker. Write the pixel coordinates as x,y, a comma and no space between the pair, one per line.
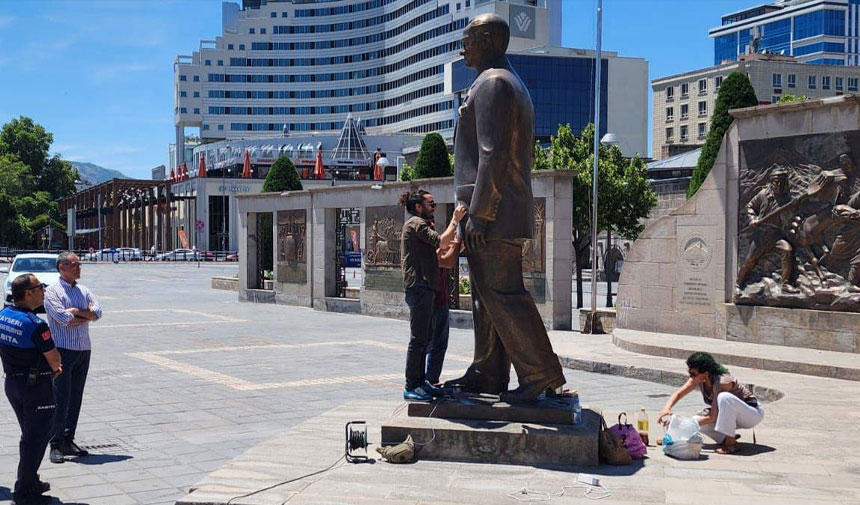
475,234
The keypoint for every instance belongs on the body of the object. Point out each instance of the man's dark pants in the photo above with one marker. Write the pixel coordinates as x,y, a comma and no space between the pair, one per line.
34,408
420,300
438,343
68,392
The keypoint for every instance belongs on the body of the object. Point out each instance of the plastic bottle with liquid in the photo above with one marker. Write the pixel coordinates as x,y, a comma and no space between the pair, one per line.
642,425
577,408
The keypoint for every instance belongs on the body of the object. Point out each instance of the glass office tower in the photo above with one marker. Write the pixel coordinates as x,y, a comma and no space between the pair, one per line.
823,32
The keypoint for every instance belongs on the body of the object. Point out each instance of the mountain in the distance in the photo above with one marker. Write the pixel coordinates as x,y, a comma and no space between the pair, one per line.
93,174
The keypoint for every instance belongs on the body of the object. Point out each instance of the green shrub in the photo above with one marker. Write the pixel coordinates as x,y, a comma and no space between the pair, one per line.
282,177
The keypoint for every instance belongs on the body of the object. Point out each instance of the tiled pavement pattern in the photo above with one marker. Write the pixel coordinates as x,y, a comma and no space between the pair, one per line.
184,378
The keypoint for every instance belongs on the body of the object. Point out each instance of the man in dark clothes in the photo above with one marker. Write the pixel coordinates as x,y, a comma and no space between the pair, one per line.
30,361
418,244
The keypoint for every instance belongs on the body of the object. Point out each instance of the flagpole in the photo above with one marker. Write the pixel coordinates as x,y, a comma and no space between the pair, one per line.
597,67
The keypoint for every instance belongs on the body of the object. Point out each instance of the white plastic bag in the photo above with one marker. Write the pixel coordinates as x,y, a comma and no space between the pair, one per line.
682,439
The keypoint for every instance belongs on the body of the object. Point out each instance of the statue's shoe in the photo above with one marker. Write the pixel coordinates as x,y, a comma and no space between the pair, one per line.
471,383
527,393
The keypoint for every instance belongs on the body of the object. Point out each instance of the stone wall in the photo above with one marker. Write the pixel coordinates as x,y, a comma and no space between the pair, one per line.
680,273
381,295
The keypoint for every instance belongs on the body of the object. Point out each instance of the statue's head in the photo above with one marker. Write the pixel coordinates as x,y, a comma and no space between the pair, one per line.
485,38
845,163
779,180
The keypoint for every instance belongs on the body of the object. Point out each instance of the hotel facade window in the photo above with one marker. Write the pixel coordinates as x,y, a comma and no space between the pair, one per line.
777,80
792,80
670,93
703,108
825,82
670,133
684,135
718,81
811,83
703,130
839,83
670,113
685,90
703,86
685,111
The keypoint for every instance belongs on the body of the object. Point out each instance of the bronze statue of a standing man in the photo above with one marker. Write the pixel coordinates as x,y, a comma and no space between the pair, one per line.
494,154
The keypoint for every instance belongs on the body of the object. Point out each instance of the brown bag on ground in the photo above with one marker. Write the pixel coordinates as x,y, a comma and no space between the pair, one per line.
609,448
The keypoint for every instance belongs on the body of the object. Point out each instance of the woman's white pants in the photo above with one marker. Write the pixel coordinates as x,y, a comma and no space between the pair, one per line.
732,413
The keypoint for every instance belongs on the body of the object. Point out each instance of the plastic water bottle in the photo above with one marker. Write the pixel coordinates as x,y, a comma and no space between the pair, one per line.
642,425
577,409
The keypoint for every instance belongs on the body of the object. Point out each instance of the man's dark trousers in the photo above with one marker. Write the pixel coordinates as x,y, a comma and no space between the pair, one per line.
420,300
34,408
68,393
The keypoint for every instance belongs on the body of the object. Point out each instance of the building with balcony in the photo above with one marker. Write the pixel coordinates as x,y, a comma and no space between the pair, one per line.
299,67
683,103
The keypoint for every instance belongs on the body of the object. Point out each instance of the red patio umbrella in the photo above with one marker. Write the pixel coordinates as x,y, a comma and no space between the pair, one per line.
172,177
246,169
377,170
319,170
202,171
184,171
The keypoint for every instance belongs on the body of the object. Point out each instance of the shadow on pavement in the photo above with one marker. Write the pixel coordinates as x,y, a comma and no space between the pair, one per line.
101,459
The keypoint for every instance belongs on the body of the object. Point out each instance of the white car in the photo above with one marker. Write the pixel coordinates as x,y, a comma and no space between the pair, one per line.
43,266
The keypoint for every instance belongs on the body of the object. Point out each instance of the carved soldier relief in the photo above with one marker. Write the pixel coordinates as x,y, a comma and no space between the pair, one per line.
799,222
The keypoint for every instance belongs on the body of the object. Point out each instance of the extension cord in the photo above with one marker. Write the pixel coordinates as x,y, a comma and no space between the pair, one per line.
585,478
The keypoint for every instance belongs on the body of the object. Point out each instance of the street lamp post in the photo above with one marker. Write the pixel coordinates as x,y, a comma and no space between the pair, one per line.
610,139
593,321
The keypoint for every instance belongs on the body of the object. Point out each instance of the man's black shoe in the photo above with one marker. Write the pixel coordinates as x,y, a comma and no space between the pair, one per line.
57,455
470,383
29,497
527,393
44,487
72,449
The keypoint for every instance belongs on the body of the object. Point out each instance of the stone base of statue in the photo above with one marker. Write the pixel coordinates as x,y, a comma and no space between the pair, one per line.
481,429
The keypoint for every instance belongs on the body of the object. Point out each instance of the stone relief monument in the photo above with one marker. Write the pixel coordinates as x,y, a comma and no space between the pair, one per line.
799,244
382,248
292,264
768,250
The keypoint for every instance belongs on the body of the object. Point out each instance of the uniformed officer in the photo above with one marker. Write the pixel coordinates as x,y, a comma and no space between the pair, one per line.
30,361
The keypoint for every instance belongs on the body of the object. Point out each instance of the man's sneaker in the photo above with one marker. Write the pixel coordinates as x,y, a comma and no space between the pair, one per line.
420,393
72,449
57,455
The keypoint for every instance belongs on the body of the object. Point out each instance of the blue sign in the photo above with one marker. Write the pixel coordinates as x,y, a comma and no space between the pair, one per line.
352,260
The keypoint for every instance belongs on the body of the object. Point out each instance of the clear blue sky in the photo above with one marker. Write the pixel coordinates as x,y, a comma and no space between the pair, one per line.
98,74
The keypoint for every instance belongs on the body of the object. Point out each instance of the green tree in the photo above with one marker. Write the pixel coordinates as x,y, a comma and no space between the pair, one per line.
407,173
735,92
31,144
31,181
788,97
282,177
433,158
624,193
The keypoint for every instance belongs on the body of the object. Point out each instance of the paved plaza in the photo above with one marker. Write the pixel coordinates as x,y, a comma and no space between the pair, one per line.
184,379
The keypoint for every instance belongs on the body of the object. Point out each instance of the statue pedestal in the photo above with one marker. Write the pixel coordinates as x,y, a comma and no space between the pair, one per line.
479,430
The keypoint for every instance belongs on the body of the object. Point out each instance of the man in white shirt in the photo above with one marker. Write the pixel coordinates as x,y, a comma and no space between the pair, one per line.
70,308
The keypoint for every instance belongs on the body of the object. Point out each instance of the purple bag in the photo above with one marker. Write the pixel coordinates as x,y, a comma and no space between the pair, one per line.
628,435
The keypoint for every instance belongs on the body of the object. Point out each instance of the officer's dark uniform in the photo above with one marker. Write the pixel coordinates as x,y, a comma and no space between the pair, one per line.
24,337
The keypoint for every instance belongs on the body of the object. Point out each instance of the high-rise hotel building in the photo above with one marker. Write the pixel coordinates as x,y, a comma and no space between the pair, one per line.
824,32
300,66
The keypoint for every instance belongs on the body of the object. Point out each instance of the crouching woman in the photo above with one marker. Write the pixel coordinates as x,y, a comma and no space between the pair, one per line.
731,405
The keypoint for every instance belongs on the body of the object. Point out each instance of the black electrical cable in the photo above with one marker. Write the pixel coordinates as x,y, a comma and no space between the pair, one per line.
252,493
